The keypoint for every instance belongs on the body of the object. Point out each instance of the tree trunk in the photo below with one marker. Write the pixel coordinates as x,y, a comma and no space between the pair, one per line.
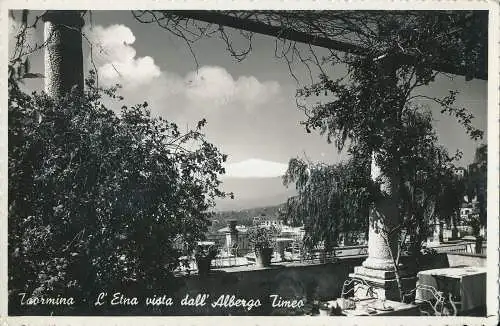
478,247
454,229
63,52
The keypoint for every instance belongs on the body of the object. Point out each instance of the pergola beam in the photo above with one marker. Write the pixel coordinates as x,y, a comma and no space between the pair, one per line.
275,31
223,19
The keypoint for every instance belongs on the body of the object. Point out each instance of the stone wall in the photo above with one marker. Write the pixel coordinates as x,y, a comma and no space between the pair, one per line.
464,259
306,282
299,282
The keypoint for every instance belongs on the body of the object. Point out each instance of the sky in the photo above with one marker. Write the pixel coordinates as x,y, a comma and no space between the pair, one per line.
249,106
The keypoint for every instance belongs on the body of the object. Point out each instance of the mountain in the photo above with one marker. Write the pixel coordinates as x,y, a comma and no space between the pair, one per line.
254,192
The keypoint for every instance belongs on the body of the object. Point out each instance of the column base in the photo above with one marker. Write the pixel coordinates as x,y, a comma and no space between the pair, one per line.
383,282
378,264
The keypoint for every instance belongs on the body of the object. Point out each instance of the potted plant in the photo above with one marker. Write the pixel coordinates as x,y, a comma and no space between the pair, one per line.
324,309
262,240
204,254
475,224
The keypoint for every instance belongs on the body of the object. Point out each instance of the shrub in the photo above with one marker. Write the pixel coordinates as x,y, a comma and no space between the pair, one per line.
97,198
262,237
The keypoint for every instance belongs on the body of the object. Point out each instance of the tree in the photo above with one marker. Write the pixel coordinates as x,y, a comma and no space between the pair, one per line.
384,93
332,201
452,195
335,199
430,190
476,186
97,199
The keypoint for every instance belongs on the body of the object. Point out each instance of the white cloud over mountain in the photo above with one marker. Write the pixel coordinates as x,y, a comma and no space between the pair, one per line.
255,168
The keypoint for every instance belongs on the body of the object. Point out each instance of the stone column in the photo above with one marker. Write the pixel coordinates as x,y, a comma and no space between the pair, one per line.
378,269
63,52
383,217
231,235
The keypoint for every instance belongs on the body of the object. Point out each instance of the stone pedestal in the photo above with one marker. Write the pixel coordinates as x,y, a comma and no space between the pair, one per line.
378,269
231,235
383,282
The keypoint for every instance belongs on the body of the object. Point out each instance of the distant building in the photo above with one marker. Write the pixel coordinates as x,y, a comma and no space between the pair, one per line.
290,231
460,172
468,209
475,167
256,220
236,239
465,212
267,222
239,228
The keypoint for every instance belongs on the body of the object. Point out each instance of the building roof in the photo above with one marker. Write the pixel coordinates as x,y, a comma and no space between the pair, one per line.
239,228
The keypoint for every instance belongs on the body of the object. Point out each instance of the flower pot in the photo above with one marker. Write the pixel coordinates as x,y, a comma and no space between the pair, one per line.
324,312
263,256
204,265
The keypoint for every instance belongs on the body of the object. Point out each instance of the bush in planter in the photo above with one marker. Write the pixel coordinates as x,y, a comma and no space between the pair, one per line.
324,309
475,224
204,256
262,239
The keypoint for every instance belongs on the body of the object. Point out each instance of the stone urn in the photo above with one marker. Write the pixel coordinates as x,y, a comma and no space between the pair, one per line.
204,256
203,264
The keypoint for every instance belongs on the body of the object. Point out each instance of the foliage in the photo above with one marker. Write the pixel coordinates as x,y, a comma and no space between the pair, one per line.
376,109
331,200
205,252
476,185
262,237
96,198
429,190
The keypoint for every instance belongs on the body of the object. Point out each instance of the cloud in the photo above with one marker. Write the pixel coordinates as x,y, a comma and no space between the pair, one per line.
118,56
209,87
255,168
217,85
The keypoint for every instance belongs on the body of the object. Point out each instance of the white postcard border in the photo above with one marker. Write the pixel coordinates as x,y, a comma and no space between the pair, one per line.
492,137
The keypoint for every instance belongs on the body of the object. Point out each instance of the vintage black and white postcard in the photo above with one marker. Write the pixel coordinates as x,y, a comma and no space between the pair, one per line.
301,162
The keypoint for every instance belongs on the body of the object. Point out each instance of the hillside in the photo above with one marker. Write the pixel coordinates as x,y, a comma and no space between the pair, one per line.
243,216
254,192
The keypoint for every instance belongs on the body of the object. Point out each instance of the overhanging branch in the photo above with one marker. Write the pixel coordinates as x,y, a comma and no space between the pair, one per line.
246,23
